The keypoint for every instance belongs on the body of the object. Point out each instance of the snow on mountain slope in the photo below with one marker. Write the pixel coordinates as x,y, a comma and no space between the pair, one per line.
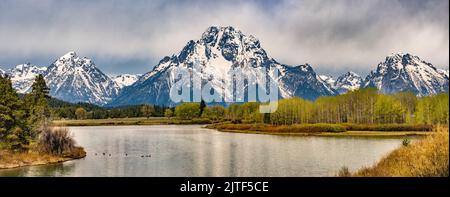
23,75
75,79
328,79
124,80
347,82
444,72
218,51
405,72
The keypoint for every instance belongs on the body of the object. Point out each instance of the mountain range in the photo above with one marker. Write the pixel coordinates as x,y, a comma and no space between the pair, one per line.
219,50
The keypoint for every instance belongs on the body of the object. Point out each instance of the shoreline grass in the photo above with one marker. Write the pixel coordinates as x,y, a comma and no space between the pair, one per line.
428,157
11,159
128,121
325,130
381,134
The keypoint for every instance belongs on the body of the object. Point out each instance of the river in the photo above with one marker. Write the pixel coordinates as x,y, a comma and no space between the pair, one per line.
190,150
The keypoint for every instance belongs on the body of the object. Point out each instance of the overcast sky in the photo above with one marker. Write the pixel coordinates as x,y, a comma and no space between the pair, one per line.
132,36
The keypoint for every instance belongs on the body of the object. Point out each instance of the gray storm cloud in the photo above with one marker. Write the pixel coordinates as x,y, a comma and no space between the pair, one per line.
333,36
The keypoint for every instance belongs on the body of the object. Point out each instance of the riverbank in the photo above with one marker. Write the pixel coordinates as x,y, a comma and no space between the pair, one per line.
428,157
326,130
11,159
341,134
128,121
332,130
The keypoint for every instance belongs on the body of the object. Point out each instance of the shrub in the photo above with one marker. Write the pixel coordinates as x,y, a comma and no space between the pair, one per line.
200,121
406,142
187,110
56,141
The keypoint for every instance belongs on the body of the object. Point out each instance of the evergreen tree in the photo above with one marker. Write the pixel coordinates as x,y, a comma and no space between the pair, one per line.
13,126
37,103
202,107
147,110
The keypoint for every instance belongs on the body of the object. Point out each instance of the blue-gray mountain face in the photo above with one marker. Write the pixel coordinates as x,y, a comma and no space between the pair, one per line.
405,72
220,50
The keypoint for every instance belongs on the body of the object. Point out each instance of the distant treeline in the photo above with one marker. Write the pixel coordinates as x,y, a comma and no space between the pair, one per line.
364,106
65,110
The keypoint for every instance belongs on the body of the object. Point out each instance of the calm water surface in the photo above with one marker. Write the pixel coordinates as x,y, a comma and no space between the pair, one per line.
194,151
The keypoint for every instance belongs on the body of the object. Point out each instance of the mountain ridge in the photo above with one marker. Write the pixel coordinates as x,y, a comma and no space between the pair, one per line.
218,51
405,72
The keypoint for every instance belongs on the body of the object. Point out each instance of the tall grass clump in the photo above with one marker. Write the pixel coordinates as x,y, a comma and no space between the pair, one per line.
428,157
56,141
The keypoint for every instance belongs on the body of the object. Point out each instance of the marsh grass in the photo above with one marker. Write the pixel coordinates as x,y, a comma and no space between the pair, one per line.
428,157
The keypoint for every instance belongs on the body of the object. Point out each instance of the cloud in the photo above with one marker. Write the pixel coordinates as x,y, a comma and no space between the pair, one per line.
123,36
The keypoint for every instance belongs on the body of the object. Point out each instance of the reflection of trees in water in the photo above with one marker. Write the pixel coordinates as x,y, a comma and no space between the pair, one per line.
42,171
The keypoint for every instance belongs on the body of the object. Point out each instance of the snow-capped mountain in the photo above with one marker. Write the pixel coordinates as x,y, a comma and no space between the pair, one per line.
347,82
23,75
405,72
124,80
74,79
219,50
328,79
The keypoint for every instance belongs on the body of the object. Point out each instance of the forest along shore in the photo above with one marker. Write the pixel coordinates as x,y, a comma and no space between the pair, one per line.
363,112
26,138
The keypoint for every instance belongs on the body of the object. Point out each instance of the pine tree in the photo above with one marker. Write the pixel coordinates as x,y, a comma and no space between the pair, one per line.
202,107
13,127
37,103
147,110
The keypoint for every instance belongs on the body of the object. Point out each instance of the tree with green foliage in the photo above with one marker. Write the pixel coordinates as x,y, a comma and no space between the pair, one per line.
234,113
13,125
409,102
168,113
147,110
389,110
37,104
187,110
214,113
80,113
433,109
202,107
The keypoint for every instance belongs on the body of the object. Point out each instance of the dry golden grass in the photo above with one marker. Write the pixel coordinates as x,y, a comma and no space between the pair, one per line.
11,159
425,158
